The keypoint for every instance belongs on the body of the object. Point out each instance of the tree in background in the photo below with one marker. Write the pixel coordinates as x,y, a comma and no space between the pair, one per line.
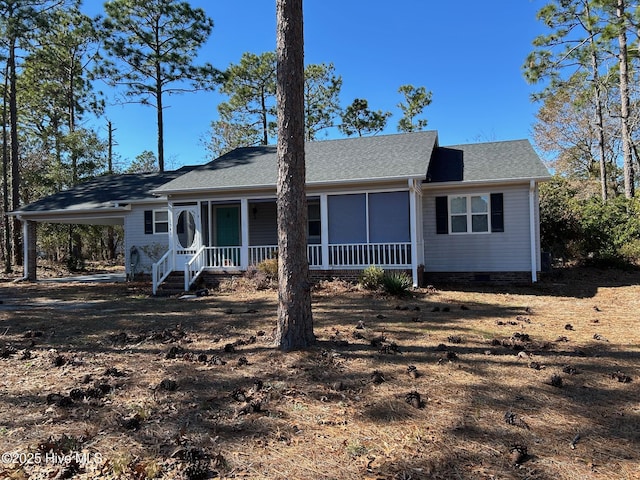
295,322
20,20
575,44
55,97
616,32
154,44
144,163
416,99
321,98
565,133
251,86
358,119
248,118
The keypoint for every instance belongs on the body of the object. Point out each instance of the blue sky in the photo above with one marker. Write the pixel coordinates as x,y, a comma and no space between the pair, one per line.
469,53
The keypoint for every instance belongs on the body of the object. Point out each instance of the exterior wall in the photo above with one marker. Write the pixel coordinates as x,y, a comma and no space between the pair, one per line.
263,224
150,247
508,251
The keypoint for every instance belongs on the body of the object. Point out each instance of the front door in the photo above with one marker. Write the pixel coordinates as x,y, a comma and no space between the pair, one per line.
228,235
186,234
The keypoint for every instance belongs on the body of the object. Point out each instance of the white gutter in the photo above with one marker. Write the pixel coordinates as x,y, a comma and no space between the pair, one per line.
67,212
470,183
271,186
532,232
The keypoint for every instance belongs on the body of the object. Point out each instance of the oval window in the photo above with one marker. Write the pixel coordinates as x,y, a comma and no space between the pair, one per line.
186,229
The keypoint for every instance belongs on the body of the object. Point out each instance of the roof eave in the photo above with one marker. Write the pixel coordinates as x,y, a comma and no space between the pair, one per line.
102,211
473,183
319,183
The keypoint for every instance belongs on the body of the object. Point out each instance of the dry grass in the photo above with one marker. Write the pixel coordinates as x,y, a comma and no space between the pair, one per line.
337,411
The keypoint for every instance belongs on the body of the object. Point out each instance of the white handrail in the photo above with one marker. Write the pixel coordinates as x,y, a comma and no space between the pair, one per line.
161,270
194,267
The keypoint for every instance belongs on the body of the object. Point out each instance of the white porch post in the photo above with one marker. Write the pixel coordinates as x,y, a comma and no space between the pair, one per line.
244,233
413,222
324,230
172,230
533,232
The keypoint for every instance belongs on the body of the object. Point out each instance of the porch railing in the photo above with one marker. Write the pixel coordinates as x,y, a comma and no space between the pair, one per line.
349,255
365,254
346,255
211,257
194,267
161,270
258,254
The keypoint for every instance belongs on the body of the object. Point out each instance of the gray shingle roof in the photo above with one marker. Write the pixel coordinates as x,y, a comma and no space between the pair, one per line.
494,161
329,161
333,161
103,192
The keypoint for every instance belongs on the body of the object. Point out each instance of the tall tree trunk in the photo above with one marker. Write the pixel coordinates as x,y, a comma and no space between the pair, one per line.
111,237
295,321
8,259
265,122
629,189
597,97
160,120
15,151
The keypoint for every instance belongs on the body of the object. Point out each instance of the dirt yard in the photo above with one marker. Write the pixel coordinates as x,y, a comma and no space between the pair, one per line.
103,381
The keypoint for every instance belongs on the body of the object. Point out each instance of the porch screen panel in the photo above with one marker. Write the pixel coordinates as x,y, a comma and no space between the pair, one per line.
204,219
347,218
389,217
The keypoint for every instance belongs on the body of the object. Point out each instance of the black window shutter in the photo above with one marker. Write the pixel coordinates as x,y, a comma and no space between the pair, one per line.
442,215
148,221
497,213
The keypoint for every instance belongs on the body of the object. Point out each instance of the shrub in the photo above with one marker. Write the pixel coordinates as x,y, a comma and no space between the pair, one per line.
397,283
371,277
269,267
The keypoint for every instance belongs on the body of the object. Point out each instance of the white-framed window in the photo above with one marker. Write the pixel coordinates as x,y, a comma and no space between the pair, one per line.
469,213
160,221
314,225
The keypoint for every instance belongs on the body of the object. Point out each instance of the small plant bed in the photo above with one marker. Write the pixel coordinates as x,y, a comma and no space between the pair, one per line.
104,381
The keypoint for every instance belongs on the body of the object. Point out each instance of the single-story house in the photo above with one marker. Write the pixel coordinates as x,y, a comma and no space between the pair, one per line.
462,212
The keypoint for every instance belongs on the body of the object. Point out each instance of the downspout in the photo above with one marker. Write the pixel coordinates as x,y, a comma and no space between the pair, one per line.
413,231
532,232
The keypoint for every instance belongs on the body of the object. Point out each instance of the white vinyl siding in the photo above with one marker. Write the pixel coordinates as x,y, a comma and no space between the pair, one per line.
263,223
150,247
495,252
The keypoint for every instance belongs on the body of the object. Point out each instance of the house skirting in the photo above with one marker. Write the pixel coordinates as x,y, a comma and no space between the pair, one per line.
348,275
510,278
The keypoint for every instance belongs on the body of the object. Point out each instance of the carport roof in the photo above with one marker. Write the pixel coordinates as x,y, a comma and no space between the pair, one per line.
106,194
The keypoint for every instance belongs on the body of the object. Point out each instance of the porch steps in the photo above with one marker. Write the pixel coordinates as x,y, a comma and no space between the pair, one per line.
173,285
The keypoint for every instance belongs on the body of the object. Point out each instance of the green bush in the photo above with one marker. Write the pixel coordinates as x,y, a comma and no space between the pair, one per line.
583,228
371,277
397,283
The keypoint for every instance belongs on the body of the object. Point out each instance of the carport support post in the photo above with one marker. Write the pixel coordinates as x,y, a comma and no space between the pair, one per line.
29,245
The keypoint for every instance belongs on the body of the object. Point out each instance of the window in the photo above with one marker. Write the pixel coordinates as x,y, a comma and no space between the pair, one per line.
482,213
156,221
469,214
314,222
160,221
